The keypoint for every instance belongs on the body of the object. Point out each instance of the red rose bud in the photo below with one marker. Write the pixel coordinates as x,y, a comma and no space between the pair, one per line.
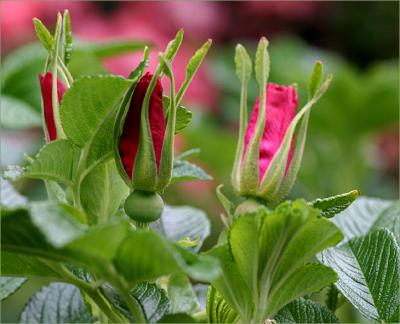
129,141
269,154
46,85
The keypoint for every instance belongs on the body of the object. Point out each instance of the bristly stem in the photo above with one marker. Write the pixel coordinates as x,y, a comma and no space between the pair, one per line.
332,298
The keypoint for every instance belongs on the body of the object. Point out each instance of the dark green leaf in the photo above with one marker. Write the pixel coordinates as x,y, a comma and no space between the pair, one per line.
56,161
369,269
177,318
178,223
56,303
334,205
218,310
305,311
186,171
9,285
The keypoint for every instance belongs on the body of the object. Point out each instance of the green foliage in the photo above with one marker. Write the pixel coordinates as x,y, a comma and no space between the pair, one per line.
183,115
186,171
182,295
218,310
269,254
16,114
305,311
334,205
57,303
9,285
43,34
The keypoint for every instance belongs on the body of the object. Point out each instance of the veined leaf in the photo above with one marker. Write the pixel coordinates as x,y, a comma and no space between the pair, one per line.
56,303
88,103
369,269
186,171
334,205
182,296
178,223
305,311
102,192
183,115
218,310
56,161
9,285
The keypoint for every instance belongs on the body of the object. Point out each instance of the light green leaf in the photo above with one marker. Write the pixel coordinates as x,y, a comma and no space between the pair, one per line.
182,295
102,192
9,285
56,303
369,269
305,311
13,264
243,64
184,222
56,161
157,257
261,67
186,171
315,79
367,214
306,279
174,45
334,205
43,34
231,284
9,197
243,241
183,115
17,114
218,310
229,207
88,104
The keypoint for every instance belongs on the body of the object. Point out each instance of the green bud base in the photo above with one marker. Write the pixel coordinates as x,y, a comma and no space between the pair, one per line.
143,207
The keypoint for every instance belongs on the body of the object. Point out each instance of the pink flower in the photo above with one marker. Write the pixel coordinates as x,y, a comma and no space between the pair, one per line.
281,103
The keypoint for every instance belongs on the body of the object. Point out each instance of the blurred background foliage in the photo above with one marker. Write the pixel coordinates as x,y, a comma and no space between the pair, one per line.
353,138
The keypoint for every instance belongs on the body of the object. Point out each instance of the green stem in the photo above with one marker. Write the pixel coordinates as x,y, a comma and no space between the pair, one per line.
65,70
332,298
76,188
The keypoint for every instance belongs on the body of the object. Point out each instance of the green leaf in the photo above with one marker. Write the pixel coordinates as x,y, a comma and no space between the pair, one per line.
56,161
367,214
315,79
231,284
43,34
88,104
186,171
157,257
243,242
261,67
334,205
177,318
13,264
10,198
368,269
56,303
179,223
306,279
182,296
174,45
218,310
305,311
152,299
17,114
243,64
183,115
9,285
229,207
102,192
111,48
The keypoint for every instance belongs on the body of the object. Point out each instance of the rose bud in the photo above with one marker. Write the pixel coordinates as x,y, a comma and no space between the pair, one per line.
46,85
268,155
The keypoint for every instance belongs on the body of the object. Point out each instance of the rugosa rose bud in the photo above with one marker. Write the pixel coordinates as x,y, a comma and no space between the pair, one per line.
271,143
46,85
129,141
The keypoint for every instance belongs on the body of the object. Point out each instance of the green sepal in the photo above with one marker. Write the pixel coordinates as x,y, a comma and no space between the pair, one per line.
250,168
315,79
45,38
229,207
271,182
67,33
243,71
137,73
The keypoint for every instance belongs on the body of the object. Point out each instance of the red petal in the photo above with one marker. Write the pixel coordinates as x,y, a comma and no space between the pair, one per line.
281,108
46,85
129,141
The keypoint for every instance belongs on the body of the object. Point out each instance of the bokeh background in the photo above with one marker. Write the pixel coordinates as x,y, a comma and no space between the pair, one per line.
353,138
